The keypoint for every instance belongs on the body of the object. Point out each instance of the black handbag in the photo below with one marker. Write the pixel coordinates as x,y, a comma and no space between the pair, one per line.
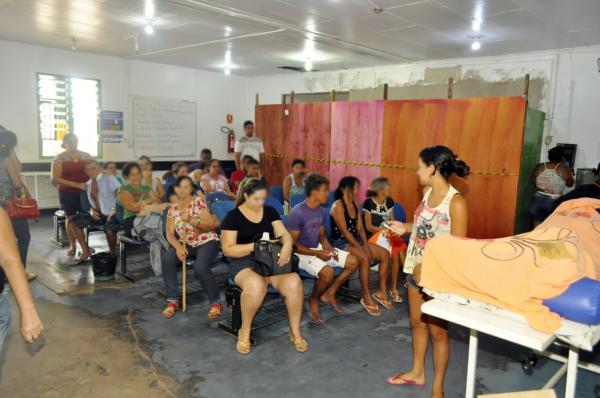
266,257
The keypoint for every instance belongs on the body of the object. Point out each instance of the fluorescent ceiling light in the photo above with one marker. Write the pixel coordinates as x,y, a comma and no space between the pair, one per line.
476,45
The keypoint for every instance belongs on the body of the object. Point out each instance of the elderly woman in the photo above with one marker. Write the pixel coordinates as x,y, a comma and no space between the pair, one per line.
191,232
249,219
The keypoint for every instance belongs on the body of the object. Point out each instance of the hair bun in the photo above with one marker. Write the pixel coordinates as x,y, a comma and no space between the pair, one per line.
461,169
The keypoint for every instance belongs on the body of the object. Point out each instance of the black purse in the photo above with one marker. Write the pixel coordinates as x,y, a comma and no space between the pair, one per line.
266,256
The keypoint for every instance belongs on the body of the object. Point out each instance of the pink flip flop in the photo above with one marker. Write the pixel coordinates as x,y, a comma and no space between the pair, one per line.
401,381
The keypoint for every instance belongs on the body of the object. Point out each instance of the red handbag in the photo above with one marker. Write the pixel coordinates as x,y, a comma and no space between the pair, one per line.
22,207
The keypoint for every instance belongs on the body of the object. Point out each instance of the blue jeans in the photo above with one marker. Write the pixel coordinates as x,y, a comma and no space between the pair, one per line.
4,315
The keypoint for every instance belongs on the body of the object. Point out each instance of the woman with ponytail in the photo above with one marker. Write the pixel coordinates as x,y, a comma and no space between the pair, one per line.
443,211
591,190
348,230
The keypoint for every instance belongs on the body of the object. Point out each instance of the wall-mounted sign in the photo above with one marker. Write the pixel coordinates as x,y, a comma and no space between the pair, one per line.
112,126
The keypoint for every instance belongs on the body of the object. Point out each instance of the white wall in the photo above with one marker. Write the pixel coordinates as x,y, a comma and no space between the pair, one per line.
215,93
570,98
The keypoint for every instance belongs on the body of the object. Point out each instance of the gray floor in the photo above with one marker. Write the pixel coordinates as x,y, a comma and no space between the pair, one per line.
109,339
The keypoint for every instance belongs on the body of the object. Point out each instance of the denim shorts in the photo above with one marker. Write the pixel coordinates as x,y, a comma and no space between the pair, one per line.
540,207
410,282
4,316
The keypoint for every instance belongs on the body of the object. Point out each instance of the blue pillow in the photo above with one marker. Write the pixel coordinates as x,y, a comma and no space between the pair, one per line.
579,303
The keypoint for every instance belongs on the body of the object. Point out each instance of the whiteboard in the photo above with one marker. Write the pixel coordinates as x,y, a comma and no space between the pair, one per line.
164,127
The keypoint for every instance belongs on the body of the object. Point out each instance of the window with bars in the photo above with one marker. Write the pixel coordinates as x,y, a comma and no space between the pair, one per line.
68,105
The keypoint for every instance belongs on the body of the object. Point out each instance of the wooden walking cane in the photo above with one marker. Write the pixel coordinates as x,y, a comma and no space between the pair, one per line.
183,276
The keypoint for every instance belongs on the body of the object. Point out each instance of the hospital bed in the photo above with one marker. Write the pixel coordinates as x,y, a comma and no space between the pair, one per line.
510,326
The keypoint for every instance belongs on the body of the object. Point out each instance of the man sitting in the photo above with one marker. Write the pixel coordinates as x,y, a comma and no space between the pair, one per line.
252,171
101,192
306,224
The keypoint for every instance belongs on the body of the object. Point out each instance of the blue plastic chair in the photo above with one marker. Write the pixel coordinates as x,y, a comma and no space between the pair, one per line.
213,197
330,199
277,192
295,199
284,219
221,208
399,213
274,203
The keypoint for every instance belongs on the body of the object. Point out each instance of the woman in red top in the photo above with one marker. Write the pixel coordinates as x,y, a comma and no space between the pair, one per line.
68,175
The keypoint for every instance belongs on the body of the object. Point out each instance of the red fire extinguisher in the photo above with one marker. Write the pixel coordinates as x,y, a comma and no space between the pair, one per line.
230,141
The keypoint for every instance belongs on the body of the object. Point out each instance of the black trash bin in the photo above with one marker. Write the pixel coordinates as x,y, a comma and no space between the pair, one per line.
104,266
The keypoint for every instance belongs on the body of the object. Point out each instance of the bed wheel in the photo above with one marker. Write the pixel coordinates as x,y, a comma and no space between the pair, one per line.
597,391
526,366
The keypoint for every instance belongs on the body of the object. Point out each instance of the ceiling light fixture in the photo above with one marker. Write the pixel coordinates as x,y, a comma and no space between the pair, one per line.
476,45
228,30
476,25
136,44
149,9
149,29
308,65
227,72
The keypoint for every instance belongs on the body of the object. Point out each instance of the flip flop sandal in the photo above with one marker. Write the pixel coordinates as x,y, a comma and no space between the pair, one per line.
243,347
334,306
169,312
71,253
215,311
371,310
313,316
81,261
396,297
385,303
31,276
404,382
301,345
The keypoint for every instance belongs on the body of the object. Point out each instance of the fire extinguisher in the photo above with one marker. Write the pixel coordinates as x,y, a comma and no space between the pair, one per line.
230,138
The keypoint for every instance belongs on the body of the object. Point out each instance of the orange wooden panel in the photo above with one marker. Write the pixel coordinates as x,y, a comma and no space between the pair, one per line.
309,135
272,126
487,133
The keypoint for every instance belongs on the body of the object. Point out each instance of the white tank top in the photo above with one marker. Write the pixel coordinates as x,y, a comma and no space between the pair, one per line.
428,223
549,182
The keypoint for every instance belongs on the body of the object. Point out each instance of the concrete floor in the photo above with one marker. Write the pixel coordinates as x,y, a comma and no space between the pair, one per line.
109,340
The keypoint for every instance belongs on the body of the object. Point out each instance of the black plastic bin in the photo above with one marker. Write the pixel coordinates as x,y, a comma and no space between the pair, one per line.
104,266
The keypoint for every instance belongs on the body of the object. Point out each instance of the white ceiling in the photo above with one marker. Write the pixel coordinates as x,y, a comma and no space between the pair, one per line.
264,34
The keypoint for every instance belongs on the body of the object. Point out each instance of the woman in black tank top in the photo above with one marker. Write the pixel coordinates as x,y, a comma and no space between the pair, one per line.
348,229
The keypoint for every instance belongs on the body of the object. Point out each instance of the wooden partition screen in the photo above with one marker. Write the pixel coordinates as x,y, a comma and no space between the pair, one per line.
387,136
487,133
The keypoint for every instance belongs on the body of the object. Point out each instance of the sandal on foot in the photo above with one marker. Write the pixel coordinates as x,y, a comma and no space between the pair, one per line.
71,252
82,260
372,310
243,347
334,306
215,311
300,345
385,303
399,380
31,276
169,312
314,317
396,297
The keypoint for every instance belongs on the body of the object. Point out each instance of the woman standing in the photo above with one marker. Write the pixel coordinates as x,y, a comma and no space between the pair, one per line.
11,184
68,174
249,219
443,211
215,182
348,230
293,184
550,180
147,179
191,221
379,208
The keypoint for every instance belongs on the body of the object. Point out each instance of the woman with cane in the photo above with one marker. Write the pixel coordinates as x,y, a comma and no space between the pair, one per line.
191,232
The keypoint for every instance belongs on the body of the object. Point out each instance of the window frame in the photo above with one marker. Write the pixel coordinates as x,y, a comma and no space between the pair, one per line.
69,110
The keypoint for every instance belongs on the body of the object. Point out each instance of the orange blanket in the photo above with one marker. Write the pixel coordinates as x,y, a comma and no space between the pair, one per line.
519,272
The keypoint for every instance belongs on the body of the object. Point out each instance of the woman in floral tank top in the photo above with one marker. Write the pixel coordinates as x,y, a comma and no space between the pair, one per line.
443,211
191,232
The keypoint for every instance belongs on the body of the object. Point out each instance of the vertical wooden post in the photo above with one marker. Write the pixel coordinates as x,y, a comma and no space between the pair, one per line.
292,98
332,96
526,86
256,98
385,91
450,87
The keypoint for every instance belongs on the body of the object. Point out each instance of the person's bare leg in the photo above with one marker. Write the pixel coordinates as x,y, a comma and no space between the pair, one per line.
438,330
395,275
80,238
111,239
325,278
291,288
420,338
364,272
254,289
72,245
349,268
383,256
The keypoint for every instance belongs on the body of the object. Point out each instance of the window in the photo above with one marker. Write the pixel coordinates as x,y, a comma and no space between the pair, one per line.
68,105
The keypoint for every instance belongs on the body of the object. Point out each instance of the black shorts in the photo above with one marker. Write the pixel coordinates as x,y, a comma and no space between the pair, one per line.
235,265
73,202
85,220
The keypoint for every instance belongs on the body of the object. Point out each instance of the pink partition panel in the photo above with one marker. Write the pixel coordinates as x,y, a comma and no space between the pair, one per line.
356,134
309,135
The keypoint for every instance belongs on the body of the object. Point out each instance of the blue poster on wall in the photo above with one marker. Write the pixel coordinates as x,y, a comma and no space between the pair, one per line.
111,123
